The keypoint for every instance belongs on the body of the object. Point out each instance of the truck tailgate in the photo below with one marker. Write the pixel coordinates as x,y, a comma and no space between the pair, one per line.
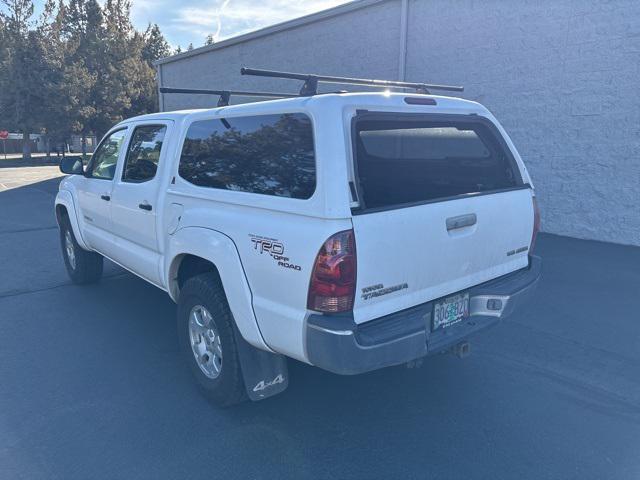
409,256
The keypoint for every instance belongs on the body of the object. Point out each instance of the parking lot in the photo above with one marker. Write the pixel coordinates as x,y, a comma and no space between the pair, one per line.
92,384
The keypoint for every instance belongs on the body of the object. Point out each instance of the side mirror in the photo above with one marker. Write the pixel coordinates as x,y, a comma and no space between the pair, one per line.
72,166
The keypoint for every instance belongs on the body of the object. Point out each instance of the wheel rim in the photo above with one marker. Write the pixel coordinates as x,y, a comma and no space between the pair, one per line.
70,249
206,344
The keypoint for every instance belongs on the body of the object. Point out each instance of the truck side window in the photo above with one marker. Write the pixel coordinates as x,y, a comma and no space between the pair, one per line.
104,160
143,154
267,154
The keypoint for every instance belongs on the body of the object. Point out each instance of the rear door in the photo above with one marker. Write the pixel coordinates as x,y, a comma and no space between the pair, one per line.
134,202
442,207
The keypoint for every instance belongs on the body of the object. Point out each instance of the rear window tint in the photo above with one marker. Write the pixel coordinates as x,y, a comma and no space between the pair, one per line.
266,154
403,162
428,143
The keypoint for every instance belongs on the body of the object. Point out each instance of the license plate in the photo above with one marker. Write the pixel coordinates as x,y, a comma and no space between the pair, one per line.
450,311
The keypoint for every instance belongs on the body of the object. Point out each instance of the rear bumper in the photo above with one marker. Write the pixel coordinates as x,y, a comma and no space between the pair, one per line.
336,343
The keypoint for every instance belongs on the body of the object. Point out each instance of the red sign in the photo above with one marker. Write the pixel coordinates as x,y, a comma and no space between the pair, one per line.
4,134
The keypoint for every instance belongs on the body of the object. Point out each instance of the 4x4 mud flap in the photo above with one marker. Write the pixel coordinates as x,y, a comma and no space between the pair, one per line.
265,373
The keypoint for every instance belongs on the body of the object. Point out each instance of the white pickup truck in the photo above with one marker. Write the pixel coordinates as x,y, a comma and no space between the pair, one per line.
350,231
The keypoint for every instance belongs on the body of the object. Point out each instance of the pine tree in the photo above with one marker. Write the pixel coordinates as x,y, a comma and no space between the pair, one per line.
116,68
155,45
85,54
28,70
50,36
4,63
78,68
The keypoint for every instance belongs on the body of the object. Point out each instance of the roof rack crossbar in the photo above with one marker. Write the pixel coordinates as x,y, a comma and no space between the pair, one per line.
311,81
225,95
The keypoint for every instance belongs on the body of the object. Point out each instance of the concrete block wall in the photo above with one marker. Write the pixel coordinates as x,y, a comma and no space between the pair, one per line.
562,78
359,43
560,75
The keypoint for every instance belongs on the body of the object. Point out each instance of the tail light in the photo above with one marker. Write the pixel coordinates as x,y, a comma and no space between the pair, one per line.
333,279
536,224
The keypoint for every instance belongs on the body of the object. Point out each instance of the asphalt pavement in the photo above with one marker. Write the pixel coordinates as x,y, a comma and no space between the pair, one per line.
92,384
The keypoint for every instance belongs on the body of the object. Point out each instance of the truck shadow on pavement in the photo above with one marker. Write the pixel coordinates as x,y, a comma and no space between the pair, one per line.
93,385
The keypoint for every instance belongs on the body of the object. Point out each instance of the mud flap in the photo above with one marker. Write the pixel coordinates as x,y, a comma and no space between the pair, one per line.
265,373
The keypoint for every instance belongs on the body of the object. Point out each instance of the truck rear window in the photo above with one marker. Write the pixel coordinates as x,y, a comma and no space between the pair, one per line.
411,160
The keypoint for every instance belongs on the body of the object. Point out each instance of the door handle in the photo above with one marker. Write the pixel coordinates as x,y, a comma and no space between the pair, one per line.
453,223
106,198
145,206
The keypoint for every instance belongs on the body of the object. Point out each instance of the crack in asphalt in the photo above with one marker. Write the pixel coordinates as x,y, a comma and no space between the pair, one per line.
46,192
564,379
25,230
17,293
575,343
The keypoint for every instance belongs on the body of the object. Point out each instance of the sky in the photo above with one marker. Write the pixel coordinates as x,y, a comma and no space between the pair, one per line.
190,21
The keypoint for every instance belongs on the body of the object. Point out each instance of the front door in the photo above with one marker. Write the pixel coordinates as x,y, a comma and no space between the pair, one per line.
94,192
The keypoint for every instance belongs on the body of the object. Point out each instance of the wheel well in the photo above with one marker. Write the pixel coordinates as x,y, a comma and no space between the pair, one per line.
61,212
191,265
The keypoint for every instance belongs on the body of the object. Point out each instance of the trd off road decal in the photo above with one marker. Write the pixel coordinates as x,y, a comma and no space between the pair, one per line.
275,249
379,290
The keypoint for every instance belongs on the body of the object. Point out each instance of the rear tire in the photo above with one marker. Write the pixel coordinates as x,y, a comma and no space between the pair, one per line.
207,340
83,266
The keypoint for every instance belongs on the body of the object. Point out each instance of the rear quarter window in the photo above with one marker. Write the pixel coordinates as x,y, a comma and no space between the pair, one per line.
414,160
266,154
